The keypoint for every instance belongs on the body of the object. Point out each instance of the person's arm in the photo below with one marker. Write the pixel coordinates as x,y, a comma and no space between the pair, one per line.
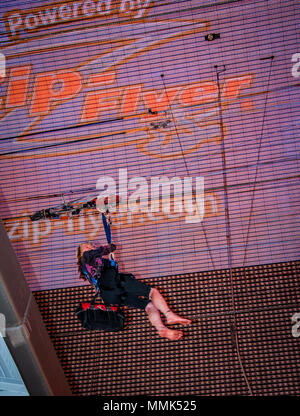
100,251
89,256
103,250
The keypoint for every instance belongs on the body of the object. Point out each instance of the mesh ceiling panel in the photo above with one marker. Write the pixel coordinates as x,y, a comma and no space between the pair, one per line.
136,361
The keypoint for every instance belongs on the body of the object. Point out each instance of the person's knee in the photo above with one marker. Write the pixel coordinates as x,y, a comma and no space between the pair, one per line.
150,308
153,292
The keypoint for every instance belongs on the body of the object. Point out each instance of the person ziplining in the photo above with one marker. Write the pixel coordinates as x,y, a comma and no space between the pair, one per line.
98,266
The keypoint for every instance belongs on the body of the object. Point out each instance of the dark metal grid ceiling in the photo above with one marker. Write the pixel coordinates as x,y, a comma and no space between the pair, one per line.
136,361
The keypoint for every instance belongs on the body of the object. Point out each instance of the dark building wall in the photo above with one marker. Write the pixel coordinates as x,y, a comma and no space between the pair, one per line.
24,331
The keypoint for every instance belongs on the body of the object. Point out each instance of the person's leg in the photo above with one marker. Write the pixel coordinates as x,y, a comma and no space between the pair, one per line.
160,303
155,319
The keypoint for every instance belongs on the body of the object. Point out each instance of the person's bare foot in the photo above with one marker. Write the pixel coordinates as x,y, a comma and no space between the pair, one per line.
171,334
173,319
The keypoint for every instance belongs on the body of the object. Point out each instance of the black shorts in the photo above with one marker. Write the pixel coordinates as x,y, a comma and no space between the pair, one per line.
131,292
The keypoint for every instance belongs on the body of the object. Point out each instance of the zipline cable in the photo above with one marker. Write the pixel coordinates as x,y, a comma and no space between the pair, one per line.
258,159
186,167
233,324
